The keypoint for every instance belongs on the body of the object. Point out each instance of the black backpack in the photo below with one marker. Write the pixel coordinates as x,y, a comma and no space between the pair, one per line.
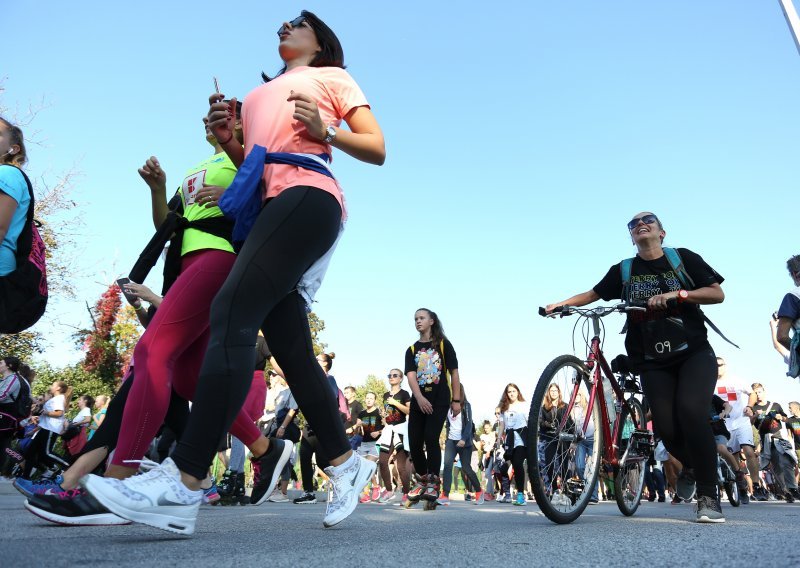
24,402
23,293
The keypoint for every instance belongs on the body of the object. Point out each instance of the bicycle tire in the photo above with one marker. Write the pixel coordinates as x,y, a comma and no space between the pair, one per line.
629,476
732,491
573,494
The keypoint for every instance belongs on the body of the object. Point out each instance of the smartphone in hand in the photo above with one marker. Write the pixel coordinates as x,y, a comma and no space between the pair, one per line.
122,282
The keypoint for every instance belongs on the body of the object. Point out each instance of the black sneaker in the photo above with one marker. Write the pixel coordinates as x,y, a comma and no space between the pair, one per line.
267,469
789,496
308,498
685,485
760,493
75,507
709,510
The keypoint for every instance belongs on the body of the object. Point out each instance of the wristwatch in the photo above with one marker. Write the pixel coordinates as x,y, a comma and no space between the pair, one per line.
330,134
683,295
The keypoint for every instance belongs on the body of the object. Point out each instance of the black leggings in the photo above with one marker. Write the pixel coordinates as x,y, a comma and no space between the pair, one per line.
309,446
292,232
680,399
518,457
41,450
423,435
107,434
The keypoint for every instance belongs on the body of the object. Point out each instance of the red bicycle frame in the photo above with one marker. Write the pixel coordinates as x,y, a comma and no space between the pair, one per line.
597,365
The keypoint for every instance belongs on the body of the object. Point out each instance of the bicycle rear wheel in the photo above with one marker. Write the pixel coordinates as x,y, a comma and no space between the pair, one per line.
563,461
633,452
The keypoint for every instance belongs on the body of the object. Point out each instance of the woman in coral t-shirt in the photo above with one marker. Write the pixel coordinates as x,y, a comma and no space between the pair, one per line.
297,112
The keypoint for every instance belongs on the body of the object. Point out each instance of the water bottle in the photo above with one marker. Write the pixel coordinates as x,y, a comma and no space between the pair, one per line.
609,396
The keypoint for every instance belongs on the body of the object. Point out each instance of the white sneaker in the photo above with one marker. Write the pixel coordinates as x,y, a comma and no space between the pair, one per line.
278,497
346,486
157,498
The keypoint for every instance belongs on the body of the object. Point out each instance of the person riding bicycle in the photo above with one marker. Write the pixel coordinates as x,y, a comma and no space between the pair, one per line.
668,346
721,410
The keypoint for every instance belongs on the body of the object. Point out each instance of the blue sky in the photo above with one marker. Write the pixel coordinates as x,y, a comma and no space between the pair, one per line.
521,137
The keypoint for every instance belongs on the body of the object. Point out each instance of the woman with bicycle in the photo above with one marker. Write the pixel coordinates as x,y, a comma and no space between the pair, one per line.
668,345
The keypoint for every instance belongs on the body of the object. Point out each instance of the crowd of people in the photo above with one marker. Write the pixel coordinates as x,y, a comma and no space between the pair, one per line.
251,231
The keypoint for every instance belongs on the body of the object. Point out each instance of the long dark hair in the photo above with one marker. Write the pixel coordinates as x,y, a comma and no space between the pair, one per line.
13,363
437,329
331,53
505,402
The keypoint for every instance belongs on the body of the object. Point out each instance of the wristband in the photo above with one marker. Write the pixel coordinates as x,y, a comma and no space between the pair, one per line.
138,308
458,400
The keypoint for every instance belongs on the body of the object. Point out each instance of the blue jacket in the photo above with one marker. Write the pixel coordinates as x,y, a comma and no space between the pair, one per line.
467,425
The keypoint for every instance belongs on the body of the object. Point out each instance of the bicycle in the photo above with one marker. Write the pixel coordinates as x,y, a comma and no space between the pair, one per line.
726,479
563,483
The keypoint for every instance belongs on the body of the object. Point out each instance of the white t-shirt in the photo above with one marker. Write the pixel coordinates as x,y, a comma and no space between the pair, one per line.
736,393
579,415
516,417
488,441
82,415
48,422
456,425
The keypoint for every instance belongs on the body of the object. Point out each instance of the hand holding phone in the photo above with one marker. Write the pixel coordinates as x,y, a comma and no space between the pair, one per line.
122,282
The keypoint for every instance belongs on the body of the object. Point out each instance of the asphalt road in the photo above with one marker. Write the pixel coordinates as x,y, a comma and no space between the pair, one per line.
462,534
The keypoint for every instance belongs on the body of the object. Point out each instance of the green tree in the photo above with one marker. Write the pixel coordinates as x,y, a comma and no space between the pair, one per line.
317,326
23,345
76,376
371,384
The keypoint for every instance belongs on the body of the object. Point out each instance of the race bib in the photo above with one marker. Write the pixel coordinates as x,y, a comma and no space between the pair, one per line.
191,185
664,337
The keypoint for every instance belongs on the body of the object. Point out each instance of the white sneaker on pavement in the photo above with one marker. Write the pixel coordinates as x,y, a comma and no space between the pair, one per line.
278,497
347,482
157,498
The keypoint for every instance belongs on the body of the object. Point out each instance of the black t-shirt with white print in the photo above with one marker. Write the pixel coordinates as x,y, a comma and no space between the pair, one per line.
657,338
432,369
392,414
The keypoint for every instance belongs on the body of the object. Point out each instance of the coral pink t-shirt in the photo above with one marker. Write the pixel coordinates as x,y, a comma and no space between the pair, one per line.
267,121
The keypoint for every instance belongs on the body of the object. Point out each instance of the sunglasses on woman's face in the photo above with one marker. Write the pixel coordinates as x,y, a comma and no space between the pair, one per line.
296,23
646,219
393,376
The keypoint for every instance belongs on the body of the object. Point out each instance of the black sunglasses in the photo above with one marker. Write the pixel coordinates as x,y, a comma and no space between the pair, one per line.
296,23
393,376
646,219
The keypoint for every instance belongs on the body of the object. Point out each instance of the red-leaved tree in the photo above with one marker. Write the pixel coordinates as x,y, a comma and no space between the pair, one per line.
101,357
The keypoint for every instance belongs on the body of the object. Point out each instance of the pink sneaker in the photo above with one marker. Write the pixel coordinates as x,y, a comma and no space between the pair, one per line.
376,493
404,499
365,498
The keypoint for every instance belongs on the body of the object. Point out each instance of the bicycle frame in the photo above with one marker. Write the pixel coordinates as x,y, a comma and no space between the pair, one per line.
598,366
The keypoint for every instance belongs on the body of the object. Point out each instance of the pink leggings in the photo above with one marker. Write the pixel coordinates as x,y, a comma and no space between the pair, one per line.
169,355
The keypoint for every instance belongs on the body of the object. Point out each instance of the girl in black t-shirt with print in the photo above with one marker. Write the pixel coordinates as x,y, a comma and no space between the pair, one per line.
430,366
678,380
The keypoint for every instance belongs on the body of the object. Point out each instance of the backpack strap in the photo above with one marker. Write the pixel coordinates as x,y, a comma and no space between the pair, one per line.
625,267
676,262
25,239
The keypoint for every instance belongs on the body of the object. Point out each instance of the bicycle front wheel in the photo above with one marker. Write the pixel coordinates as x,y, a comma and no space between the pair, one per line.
564,449
633,453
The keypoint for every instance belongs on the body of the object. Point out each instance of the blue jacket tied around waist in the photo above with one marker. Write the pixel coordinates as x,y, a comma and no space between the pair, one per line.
241,202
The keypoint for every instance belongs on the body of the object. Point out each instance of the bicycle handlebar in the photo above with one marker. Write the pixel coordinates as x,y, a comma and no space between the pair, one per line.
600,311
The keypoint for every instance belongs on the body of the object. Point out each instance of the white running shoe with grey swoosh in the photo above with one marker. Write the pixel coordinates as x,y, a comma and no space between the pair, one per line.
347,482
157,498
